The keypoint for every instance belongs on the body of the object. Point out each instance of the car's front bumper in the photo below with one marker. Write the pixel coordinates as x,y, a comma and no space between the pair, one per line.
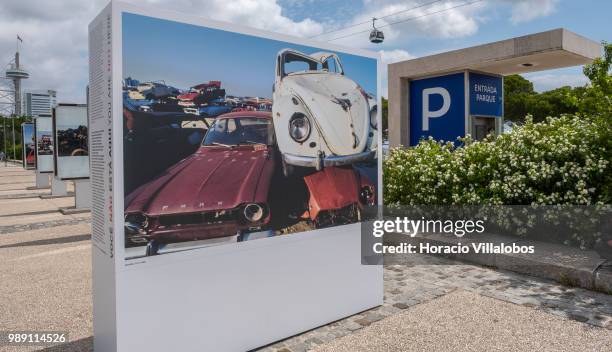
324,161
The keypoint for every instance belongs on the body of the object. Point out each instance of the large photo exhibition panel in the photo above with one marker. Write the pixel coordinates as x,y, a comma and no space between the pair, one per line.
185,144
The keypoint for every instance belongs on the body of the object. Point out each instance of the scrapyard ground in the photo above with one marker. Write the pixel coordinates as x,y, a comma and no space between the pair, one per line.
45,271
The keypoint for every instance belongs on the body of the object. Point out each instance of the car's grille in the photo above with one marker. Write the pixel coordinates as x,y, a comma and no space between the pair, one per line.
210,217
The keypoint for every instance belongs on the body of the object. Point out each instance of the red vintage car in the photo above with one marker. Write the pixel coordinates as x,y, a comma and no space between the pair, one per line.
220,190
338,195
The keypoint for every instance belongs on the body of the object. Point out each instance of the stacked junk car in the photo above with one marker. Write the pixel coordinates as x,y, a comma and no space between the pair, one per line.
234,157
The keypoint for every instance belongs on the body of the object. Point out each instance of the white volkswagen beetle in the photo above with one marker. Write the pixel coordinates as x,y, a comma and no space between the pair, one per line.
321,117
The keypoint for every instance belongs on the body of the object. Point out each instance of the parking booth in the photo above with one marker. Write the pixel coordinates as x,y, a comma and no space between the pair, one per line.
452,105
460,92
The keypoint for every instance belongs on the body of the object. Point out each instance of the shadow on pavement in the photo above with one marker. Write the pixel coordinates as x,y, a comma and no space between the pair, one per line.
41,212
68,239
82,345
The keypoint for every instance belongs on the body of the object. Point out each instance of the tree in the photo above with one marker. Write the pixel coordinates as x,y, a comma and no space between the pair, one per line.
517,94
6,125
515,84
594,99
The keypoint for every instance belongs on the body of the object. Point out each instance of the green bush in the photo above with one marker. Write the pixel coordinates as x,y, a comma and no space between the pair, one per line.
563,160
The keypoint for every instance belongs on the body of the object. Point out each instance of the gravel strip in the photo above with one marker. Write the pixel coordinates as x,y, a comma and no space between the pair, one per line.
466,321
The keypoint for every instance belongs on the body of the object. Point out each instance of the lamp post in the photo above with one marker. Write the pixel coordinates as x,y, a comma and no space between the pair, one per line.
4,138
14,145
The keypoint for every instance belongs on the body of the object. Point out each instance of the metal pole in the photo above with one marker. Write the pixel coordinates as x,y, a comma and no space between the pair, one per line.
4,138
14,145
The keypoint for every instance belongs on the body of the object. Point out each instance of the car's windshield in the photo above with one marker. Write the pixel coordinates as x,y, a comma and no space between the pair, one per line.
239,130
331,65
293,63
297,63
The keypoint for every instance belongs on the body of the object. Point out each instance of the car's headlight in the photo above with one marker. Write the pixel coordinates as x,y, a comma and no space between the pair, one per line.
254,212
299,127
374,117
366,195
136,223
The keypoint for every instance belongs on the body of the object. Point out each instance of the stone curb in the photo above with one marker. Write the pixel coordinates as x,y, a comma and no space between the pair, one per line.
72,210
21,195
51,196
567,265
33,188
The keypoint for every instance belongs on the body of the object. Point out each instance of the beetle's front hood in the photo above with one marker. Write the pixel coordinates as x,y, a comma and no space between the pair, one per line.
338,107
211,179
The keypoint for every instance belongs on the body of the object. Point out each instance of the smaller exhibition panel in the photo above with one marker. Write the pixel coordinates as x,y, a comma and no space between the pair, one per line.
71,158
44,143
29,146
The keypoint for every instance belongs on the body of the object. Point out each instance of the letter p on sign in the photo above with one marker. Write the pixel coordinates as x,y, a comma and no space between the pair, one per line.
446,101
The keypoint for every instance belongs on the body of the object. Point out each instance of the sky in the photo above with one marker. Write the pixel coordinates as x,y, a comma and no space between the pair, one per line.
244,64
54,33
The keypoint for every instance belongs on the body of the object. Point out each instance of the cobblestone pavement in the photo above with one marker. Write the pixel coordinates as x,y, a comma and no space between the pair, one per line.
43,225
428,278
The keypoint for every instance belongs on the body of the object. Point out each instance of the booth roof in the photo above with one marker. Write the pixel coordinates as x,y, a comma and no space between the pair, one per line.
535,52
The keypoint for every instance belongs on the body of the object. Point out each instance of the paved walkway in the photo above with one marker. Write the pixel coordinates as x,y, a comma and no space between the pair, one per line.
466,321
426,280
430,303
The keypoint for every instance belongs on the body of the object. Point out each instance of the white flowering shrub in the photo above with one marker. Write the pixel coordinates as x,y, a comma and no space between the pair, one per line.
564,160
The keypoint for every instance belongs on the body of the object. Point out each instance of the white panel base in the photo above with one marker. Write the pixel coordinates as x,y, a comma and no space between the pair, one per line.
58,187
42,180
82,194
243,296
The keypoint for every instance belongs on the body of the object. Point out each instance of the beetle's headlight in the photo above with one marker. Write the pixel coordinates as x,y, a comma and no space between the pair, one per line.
374,117
299,127
254,212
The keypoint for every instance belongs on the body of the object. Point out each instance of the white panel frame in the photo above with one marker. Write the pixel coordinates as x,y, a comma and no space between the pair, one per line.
23,142
44,163
235,296
69,167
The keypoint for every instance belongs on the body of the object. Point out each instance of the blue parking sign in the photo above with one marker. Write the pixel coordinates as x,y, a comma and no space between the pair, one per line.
437,108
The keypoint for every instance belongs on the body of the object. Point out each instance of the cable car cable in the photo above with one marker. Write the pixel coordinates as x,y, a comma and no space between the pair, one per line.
408,19
379,18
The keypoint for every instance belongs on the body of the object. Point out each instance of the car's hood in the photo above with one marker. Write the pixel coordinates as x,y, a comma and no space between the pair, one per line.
338,107
332,188
213,178
187,96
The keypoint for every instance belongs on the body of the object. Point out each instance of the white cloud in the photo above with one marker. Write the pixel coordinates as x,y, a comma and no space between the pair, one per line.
55,34
547,81
263,14
528,10
445,19
389,57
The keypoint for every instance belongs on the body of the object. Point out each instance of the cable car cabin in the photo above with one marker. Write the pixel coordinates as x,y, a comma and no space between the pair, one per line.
377,36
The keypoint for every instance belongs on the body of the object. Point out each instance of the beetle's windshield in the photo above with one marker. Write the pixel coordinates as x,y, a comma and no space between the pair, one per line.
331,65
297,63
239,130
